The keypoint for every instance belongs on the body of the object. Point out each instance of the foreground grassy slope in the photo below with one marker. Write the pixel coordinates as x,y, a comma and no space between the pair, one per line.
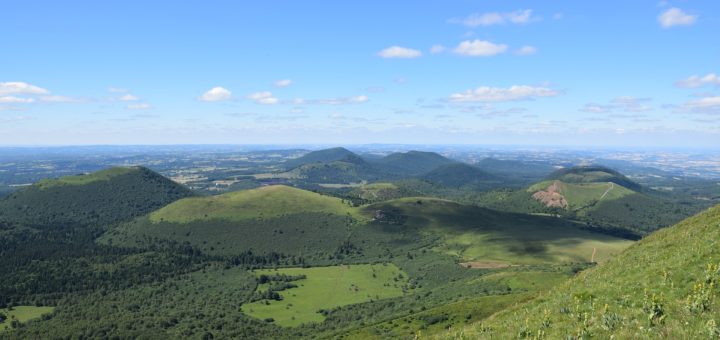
665,286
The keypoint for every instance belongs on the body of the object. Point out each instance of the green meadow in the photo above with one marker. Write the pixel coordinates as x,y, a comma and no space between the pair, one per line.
327,288
22,314
264,202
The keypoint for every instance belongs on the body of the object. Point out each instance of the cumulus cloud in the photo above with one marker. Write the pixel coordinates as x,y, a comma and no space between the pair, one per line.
497,94
129,98
522,16
695,81
18,87
707,102
399,52
675,17
60,99
596,108
265,98
332,101
624,103
15,100
283,83
117,90
139,106
435,49
479,48
526,50
216,94
632,104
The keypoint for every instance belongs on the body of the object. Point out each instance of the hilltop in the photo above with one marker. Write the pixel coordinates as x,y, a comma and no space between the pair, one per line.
325,156
106,196
527,171
593,174
665,286
457,175
412,163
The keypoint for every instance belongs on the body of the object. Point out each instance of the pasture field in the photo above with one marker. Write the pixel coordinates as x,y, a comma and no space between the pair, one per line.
22,314
327,288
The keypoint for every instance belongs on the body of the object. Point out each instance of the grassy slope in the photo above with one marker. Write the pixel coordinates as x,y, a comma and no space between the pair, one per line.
23,314
265,202
580,195
327,288
476,234
665,286
102,175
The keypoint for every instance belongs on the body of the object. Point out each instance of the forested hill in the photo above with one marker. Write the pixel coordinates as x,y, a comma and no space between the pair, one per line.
102,197
412,163
324,156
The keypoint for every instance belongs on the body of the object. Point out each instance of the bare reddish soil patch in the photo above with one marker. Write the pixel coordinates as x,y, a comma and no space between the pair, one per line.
551,197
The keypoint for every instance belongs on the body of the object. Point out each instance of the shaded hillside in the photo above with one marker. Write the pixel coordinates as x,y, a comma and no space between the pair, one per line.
102,197
665,286
412,163
520,170
324,156
461,175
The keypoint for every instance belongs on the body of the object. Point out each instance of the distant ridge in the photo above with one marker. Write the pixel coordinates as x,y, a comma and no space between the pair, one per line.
457,175
325,156
412,162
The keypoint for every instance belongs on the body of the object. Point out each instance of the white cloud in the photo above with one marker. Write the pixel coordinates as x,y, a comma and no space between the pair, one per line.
479,48
399,52
129,98
596,108
631,104
331,101
265,98
139,106
117,90
705,102
624,103
496,18
526,50
15,100
283,83
20,88
558,16
675,17
697,81
497,94
437,49
60,99
216,94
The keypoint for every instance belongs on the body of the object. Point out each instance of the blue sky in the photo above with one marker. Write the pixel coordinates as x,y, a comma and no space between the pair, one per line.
610,73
